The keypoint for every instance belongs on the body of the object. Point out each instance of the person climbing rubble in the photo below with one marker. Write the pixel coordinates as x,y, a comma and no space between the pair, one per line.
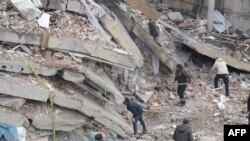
137,111
248,108
153,29
182,77
221,72
183,132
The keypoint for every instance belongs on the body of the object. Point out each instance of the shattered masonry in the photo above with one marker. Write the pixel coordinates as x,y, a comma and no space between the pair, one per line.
92,54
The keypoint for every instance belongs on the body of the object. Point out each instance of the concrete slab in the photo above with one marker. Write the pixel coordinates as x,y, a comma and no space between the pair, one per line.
76,6
21,67
72,76
65,120
90,108
175,16
144,8
14,88
92,50
12,102
57,4
114,26
27,9
13,118
102,80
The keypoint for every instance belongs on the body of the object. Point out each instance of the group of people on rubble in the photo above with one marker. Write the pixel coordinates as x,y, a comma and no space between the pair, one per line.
183,132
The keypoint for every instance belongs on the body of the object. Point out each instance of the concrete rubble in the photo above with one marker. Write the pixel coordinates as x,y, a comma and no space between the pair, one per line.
91,54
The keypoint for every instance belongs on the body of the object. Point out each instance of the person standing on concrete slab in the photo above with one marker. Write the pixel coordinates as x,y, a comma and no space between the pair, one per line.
183,132
221,72
137,111
153,30
182,77
248,108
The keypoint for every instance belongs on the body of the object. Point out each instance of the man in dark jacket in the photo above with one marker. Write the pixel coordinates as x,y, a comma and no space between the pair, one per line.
182,78
183,132
248,108
137,111
153,30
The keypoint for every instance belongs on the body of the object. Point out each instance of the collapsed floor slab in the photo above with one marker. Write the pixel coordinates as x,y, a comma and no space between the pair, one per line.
13,118
94,50
102,80
208,50
15,87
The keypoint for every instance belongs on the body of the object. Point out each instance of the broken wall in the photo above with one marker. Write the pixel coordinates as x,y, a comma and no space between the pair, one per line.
238,12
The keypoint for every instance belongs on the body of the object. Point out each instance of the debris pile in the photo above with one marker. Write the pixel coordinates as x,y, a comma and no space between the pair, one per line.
66,67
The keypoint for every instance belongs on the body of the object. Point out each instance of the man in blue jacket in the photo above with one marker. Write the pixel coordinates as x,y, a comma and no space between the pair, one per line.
137,111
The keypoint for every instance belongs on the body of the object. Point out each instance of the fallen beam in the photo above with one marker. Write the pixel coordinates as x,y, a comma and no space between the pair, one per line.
93,49
208,50
141,34
114,26
21,67
152,45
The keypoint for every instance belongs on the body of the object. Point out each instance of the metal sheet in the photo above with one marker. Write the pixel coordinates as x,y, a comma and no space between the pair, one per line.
221,23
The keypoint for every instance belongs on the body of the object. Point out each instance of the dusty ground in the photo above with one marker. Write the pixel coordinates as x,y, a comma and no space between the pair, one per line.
206,119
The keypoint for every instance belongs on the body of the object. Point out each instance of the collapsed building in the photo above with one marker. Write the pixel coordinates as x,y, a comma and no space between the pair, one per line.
66,65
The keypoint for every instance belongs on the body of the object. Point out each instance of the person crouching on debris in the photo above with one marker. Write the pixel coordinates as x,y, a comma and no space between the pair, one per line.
182,77
248,108
221,72
137,111
183,132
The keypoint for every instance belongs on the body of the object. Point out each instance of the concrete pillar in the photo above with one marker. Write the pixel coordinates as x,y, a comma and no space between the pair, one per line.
211,4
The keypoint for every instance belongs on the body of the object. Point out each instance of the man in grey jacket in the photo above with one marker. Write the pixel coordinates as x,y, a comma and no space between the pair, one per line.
221,73
183,132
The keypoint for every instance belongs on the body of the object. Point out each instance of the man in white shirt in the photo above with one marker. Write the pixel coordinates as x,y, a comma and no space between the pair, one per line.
221,72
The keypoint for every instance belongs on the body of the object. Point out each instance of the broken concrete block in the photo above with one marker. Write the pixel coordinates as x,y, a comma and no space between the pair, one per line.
142,6
207,139
65,120
102,80
238,55
144,96
27,9
57,4
114,26
75,6
175,16
11,102
13,118
202,29
72,76
7,36
21,67
13,87
3,6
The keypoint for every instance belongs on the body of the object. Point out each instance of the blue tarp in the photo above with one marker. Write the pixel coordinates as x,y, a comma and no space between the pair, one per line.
9,132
